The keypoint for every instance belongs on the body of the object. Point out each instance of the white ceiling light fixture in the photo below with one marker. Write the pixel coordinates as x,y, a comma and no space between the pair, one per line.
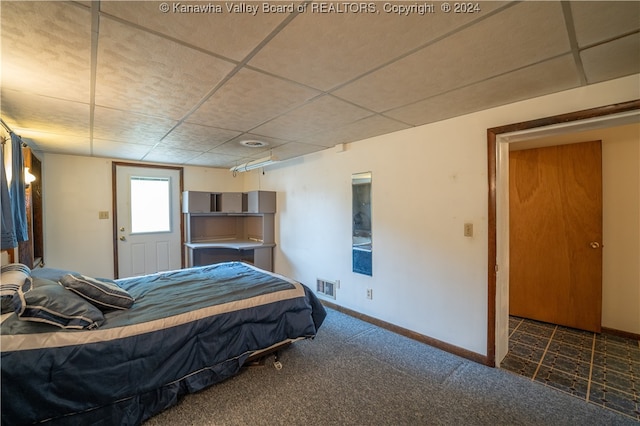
254,164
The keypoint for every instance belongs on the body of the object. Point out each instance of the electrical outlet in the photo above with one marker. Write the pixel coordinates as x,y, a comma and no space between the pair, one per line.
369,293
468,229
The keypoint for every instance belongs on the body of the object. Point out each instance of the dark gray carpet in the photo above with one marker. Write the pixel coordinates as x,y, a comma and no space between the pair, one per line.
354,373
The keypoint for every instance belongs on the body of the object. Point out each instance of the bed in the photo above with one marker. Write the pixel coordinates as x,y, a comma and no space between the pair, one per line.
185,330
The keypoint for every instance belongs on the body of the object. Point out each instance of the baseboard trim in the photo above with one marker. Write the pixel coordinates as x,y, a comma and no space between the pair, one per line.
621,333
447,347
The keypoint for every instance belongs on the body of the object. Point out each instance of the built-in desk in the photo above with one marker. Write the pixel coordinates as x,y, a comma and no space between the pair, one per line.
228,226
209,252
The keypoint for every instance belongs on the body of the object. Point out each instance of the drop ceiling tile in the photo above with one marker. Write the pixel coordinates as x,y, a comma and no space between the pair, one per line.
197,138
537,80
294,149
492,47
316,116
45,114
124,126
362,129
248,99
141,72
597,21
170,155
121,150
324,50
230,34
215,160
615,59
58,143
46,49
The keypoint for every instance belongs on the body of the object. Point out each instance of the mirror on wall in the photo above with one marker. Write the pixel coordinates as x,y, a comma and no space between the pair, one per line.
361,223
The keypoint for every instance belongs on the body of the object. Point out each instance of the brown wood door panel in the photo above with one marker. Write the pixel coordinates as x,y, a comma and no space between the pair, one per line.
555,213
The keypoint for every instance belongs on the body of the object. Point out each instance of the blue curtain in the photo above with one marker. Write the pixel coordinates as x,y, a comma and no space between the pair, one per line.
9,239
17,190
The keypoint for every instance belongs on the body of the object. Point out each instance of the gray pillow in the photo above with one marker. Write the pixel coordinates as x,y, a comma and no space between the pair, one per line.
103,293
52,274
46,301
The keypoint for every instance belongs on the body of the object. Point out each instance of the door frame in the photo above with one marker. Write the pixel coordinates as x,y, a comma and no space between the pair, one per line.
498,140
114,205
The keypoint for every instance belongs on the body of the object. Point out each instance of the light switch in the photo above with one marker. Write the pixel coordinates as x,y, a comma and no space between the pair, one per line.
468,229
103,215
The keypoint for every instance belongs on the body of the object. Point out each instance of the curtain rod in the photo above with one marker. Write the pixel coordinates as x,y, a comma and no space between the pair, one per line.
8,129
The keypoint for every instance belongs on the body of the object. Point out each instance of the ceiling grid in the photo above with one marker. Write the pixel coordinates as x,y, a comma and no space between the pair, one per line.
139,81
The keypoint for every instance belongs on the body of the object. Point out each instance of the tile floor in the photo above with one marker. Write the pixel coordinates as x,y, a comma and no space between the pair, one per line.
602,368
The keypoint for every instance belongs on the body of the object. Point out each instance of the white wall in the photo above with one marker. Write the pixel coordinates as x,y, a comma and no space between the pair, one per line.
427,182
621,229
75,189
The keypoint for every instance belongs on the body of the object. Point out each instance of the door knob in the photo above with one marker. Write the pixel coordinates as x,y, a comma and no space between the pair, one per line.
122,238
594,244
122,228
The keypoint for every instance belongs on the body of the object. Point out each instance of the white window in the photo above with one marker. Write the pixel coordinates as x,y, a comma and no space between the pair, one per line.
150,204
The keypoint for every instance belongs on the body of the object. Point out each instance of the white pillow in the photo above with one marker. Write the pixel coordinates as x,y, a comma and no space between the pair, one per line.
13,276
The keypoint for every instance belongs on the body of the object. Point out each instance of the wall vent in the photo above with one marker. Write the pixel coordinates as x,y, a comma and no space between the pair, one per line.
326,287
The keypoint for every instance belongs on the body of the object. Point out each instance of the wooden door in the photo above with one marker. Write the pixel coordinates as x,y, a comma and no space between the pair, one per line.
555,209
31,252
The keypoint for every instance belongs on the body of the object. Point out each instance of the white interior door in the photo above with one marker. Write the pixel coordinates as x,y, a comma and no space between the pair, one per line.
148,228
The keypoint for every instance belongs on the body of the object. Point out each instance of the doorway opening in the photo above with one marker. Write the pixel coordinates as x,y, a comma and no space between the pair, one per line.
498,145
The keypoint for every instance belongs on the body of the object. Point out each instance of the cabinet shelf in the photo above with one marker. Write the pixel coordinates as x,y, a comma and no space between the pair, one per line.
229,226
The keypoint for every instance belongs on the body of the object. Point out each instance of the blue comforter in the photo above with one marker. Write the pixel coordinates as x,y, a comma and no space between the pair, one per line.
187,330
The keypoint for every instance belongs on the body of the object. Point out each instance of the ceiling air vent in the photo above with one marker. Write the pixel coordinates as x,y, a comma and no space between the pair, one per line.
254,143
326,288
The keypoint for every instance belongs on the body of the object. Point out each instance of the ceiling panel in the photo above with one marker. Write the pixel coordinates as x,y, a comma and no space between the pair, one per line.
324,50
316,116
198,138
139,71
615,59
46,49
227,33
126,126
57,143
294,149
367,127
535,79
597,21
45,114
214,160
497,45
122,150
170,155
249,99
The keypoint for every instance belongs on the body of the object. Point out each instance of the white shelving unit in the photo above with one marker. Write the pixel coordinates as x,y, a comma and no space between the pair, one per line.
226,226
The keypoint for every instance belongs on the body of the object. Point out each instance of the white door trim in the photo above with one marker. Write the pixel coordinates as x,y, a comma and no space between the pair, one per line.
525,138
